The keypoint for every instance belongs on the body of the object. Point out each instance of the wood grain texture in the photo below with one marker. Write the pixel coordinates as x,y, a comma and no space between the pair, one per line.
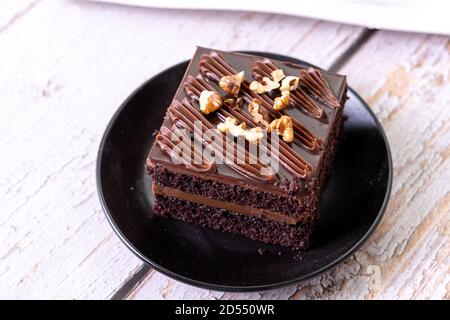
12,10
412,100
65,68
406,80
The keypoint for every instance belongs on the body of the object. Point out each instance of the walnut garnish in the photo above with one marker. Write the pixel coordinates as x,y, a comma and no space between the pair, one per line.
265,85
253,135
289,83
228,102
233,103
209,101
277,75
230,125
232,84
238,103
283,101
284,127
253,109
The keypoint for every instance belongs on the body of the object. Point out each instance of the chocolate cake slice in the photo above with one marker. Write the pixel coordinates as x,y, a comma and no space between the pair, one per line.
246,145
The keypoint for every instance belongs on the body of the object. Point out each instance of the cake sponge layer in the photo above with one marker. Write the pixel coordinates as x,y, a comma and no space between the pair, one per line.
270,232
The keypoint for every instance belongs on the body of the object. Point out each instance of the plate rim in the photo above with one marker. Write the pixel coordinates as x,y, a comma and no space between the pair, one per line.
234,288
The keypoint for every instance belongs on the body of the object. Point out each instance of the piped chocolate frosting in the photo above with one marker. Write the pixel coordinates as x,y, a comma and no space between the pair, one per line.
312,109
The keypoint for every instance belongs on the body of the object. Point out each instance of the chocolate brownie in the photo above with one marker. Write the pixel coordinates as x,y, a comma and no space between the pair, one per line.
246,145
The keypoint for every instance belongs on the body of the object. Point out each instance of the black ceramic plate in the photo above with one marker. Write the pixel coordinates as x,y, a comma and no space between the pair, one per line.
351,207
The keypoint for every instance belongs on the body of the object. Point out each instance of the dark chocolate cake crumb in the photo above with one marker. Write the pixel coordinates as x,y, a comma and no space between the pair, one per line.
287,206
294,236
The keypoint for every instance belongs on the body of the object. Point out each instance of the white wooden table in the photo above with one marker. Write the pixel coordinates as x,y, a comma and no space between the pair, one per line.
65,67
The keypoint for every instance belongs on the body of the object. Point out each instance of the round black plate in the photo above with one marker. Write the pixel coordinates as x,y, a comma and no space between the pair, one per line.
351,207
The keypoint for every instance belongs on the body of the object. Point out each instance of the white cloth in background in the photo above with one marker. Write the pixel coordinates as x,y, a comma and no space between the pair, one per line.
430,16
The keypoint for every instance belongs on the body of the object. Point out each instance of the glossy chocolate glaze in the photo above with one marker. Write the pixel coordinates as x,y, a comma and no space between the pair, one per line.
313,109
300,99
288,158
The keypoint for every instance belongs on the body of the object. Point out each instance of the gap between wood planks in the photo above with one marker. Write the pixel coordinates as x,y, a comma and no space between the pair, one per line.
136,279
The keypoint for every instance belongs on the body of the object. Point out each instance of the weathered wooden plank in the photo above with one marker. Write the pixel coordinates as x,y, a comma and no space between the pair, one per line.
65,67
405,78
12,10
412,101
406,82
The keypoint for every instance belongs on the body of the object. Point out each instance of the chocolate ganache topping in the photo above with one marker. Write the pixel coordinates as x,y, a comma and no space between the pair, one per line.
313,81
167,145
299,98
214,67
184,115
288,158
309,98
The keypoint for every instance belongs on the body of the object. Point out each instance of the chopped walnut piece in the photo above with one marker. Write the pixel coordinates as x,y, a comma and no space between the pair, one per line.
284,127
254,110
232,84
209,101
265,85
254,135
230,123
289,83
238,103
282,102
256,86
277,75
233,103
228,102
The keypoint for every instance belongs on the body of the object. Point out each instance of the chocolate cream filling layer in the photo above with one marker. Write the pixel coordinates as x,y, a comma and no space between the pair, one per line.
239,209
